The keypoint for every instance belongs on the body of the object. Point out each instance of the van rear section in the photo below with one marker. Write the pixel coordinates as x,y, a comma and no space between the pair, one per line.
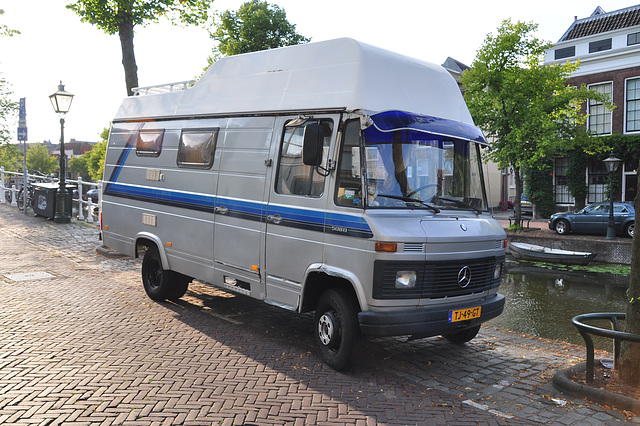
304,192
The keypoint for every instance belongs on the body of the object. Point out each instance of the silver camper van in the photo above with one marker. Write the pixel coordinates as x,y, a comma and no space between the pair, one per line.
332,177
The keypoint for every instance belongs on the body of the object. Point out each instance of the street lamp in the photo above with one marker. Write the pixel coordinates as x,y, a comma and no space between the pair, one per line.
611,164
61,102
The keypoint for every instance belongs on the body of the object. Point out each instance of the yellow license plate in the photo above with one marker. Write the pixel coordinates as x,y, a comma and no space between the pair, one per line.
464,314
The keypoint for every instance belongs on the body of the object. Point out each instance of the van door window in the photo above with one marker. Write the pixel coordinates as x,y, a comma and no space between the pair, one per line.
294,177
349,186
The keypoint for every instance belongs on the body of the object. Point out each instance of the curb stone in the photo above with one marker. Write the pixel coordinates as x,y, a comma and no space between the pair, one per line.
562,381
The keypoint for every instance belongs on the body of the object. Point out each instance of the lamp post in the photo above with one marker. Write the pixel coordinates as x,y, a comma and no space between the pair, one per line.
612,164
61,101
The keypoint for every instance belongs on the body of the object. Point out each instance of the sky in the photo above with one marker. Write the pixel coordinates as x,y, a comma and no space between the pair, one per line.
55,46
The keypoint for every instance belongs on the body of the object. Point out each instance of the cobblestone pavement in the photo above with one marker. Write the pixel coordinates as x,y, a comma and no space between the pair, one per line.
82,344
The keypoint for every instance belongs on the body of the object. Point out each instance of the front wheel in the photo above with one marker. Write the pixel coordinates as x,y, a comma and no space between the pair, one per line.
562,227
464,336
337,330
628,230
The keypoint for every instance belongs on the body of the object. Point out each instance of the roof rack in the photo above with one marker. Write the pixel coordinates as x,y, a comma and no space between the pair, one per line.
162,88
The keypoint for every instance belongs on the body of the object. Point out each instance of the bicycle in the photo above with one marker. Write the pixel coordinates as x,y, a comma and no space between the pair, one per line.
30,197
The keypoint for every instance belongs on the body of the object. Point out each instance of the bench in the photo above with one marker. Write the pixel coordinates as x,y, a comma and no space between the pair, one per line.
512,220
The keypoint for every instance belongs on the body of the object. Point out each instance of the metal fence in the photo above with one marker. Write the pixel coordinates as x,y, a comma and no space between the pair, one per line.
83,206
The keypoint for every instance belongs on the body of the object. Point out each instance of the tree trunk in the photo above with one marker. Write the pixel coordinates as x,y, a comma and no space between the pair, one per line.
128,56
517,205
629,365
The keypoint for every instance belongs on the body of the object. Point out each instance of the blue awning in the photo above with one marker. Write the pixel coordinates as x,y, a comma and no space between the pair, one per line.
390,121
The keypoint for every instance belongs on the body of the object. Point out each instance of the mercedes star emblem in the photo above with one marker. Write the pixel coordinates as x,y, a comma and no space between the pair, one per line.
464,277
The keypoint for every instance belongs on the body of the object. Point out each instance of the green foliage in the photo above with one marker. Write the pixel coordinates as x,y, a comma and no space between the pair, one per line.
8,109
6,31
539,181
111,15
38,159
523,103
121,16
95,160
256,26
78,167
91,164
10,157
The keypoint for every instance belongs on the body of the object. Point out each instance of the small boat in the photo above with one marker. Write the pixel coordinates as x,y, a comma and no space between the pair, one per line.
536,253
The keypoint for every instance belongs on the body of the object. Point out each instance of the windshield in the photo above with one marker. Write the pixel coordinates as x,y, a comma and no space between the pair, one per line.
409,169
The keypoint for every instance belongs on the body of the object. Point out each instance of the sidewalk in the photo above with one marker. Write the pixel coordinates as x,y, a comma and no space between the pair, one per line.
82,344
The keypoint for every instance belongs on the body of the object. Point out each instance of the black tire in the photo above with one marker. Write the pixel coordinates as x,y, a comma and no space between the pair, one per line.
20,199
336,328
161,284
628,230
562,227
464,336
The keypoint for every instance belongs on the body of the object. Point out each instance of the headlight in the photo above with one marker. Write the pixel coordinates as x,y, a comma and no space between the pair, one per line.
497,273
406,279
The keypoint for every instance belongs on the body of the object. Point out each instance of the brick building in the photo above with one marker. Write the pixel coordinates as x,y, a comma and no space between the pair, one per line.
607,44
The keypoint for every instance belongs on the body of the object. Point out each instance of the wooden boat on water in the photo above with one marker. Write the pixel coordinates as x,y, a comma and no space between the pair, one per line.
537,253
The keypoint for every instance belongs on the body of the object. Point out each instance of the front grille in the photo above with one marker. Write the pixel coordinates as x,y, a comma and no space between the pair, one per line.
435,280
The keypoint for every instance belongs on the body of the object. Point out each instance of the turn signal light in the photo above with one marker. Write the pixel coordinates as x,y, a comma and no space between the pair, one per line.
387,247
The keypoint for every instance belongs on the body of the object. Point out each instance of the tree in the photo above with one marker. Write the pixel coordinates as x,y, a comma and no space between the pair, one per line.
121,16
256,26
78,167
629,364
38,159
526,105
10,157
8,108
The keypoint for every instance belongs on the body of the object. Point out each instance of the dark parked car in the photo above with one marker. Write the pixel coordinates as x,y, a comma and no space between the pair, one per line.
594,218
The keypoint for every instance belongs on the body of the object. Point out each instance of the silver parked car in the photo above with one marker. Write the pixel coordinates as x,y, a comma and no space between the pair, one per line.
594,218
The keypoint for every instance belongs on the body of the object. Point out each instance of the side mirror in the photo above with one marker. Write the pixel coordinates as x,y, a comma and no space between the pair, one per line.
312,145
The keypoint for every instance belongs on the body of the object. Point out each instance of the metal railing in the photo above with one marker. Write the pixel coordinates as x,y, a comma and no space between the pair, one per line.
162,88
12,182
586,330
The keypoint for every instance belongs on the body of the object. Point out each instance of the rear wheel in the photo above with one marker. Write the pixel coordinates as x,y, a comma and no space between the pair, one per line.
562,227
161,284
336,328
463,336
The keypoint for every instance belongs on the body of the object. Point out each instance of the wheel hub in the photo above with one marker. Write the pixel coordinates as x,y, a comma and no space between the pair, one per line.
327,329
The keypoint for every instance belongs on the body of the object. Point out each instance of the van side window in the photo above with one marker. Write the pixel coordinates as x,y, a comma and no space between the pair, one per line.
349,184
294,177
149,143
197,147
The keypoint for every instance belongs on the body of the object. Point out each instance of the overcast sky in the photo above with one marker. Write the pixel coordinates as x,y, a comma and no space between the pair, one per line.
55,45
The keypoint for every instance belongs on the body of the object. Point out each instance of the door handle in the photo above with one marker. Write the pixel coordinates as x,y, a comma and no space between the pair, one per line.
222,210
276,219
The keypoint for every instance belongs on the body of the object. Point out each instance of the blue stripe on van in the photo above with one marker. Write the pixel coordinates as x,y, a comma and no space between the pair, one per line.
311,220
300,218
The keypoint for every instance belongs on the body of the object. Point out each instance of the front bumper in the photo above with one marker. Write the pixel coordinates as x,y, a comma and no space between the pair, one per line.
427,321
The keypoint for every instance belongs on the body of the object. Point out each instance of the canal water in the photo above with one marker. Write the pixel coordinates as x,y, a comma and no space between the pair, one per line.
542,300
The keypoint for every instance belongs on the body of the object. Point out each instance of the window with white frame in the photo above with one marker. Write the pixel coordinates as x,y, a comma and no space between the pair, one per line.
561,175
632,123
599,115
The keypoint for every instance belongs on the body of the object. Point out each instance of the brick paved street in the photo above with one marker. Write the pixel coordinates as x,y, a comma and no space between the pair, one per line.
82,344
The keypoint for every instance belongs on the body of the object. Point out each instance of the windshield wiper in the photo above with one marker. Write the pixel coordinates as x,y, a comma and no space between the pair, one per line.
410,200
459,203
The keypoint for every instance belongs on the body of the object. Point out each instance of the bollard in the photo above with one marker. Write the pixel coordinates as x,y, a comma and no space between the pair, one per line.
14,200
89,210
3,199
80,201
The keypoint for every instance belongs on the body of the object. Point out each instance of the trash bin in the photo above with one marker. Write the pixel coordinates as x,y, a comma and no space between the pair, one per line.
44,202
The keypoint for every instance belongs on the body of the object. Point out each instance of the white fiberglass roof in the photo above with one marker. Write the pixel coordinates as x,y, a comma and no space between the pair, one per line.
336,74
